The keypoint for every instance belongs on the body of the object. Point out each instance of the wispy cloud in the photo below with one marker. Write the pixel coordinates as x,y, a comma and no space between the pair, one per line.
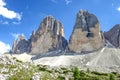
112,4
118,9
15,35
4,22
66,1
16,22
10,14
27,7
7,22
4,47
54,1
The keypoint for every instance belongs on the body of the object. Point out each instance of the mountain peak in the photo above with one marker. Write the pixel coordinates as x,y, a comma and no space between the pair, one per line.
50,24
86,33
113,36
21,37
48,37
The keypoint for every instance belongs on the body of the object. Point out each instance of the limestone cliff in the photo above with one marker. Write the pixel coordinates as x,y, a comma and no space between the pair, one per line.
113,36
20,45
86,35
48,37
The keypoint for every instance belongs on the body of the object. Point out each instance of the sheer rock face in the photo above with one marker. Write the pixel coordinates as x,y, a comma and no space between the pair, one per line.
86,35
113,36
20,45
48,37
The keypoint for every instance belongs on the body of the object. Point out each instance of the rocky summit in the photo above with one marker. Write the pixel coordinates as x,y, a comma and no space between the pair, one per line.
113,36
86,35
48,37
20,45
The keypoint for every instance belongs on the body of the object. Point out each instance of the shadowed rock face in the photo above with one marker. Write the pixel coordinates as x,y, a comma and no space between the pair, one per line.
113,36
86,35
20,45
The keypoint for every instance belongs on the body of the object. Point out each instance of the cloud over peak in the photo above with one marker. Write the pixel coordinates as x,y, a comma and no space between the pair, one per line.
10,14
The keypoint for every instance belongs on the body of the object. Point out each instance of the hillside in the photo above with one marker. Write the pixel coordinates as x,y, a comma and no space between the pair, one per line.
13,69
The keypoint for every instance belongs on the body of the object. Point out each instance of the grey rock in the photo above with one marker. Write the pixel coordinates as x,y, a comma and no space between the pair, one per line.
103,60
86,35
48,37
20,45
113,36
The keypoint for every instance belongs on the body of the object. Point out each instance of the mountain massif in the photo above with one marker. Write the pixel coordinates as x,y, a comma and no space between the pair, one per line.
86,36
48,55
48,37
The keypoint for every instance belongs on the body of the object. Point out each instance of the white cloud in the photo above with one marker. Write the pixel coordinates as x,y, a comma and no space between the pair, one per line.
118,9
8,13
2,3
15,35
66,1
4,47
16,23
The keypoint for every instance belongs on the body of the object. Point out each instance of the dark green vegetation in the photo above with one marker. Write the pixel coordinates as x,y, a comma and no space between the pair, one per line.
93,75
45,73
18,70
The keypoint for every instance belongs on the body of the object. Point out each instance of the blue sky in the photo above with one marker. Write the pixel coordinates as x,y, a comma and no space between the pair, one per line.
23,16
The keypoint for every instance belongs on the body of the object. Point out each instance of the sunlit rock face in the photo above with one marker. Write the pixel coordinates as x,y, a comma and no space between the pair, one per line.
113,36
86,35
48,37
